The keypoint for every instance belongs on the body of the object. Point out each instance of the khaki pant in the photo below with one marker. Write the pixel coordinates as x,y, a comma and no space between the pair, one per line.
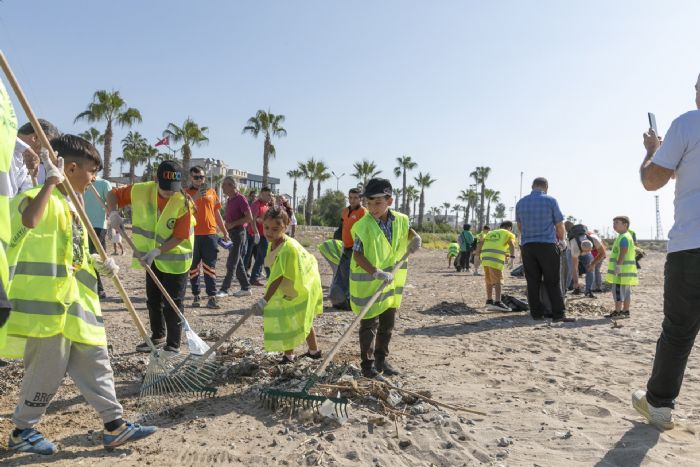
46,362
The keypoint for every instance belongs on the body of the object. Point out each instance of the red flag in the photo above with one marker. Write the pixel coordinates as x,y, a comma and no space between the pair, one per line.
163,142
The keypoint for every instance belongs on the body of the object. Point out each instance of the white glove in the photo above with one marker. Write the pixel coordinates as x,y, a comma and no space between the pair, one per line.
510,262
115,220
150,256
259,306
563,244
107,268
383,275
415,244
618,267
52,170
256,238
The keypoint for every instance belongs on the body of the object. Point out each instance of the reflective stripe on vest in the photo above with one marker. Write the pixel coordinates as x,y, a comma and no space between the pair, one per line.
628,268
381,255
332,250
495,249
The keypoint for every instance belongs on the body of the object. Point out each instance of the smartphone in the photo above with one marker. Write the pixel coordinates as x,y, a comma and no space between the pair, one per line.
203,188
652,123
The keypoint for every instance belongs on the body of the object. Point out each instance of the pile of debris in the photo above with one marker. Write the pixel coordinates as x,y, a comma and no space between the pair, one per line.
585,308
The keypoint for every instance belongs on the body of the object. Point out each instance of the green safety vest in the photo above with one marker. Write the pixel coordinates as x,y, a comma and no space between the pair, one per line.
383,256
48,295
332,250
453,249
495,249
151,229
289,314
628,269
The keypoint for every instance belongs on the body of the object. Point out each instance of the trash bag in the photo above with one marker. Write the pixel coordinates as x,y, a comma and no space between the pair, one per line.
518,271
514,303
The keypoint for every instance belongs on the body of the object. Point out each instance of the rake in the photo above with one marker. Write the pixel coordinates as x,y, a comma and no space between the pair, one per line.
276,398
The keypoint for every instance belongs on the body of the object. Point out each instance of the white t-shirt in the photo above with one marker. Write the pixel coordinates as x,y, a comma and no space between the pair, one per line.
680,151
573,244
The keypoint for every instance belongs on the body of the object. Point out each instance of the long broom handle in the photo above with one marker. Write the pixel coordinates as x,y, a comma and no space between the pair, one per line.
358,318
148,269
228,334
71,193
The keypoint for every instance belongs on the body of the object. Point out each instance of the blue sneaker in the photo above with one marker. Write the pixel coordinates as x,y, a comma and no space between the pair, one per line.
126,433
30,440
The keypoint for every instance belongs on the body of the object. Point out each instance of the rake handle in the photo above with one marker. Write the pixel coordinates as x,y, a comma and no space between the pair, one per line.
68,188
228,334
358,318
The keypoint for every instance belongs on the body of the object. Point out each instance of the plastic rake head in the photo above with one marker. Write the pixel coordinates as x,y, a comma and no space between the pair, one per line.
275,399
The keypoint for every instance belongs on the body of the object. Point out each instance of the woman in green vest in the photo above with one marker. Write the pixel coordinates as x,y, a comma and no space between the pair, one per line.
622,268
293,294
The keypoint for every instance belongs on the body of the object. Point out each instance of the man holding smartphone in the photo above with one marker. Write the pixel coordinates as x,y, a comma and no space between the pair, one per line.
206,247
680,155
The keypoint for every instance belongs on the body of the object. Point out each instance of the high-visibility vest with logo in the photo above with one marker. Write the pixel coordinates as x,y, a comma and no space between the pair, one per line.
453,249
289,315
332,250
495,249
50,295
381,255
151,229
628,269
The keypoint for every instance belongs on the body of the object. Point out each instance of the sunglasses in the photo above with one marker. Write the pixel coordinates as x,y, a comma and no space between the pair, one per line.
198,177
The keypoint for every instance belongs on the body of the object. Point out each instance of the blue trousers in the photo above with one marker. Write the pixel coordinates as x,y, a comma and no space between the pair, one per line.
260,253
205,252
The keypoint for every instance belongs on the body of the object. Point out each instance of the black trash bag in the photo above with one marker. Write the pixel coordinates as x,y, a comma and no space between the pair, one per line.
514,303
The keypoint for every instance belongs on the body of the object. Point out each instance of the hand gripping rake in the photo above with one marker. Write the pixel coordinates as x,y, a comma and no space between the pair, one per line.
276,398
158,362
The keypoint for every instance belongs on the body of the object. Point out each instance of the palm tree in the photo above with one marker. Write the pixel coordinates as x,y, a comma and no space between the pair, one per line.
435,212
93,135
473,201
308,170
423,182
134,150
190,134
480,175
150,153
411,195
365,170
269,125
109,107
294,174
405,164
447,207
121,160
397,197
492,196
322,174
457,208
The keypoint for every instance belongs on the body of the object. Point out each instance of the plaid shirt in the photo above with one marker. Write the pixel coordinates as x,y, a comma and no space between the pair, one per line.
538,213
384,226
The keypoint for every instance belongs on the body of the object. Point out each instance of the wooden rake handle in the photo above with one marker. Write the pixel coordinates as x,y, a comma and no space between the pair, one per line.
71,193
228,334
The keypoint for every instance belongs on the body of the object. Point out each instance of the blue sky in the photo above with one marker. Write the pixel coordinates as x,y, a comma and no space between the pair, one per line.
549,88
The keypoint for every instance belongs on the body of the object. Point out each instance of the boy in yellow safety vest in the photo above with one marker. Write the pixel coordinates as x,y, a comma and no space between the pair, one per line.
622,268
381,240
452,252
56,323
293,294
496,249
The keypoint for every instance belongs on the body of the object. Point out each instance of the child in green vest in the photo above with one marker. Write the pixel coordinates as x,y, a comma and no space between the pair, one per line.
293,294
622,268
56,323
380,241
452,252
495,250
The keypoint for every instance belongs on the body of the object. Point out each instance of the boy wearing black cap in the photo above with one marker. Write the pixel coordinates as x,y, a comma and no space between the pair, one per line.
163,234
380,241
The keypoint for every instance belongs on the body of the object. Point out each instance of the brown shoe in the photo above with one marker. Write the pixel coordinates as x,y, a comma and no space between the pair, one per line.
257,283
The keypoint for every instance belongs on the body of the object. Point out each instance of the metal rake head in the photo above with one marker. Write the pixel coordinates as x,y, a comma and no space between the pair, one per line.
274,399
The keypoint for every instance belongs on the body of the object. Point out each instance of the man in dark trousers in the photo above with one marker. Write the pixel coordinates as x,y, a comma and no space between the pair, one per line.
340,287
541,225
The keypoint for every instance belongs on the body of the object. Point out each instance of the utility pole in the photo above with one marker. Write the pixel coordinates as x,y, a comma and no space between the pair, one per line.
659,229
337,179
521,185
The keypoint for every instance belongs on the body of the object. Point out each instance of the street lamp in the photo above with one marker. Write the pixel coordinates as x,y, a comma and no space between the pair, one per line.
337,179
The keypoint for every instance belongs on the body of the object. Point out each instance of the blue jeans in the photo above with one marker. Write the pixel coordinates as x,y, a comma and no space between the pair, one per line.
570,272
251,249
585,260
260,253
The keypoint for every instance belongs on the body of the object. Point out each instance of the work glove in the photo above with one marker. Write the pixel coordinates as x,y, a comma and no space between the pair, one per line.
415,244
259,306
256,238
563,245
618,267
107,268
383,276
150,256
52,171
115,220
511,261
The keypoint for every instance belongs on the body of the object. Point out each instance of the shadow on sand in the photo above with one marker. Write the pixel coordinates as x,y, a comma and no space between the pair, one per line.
631,450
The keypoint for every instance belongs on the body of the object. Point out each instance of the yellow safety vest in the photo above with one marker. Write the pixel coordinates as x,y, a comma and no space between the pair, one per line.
289,315
383,256
151,229
628,270
453,249
495,249
49,295
332,250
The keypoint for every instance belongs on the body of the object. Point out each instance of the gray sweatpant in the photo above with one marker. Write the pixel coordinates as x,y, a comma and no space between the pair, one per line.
46,362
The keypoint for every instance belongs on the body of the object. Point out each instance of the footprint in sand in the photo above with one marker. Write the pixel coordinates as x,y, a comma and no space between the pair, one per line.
594,411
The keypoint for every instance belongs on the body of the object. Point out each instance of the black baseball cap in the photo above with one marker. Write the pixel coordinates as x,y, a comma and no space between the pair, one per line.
378,187
169,176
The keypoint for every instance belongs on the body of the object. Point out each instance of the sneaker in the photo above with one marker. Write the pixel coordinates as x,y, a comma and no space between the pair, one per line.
145,348
257,283
30,440
125,434
195,302
564,319
370,373
222,294
589,294
286,360
211,303
385,368
476,273
170,348
624,314
614,315
499,306
660,417
313,356
576,292
489,302
243,293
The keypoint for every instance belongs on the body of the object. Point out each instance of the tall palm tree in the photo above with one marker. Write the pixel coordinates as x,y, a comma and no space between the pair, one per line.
480,175
411,194
435,212
397,197
322,174
93,135
109,106
365,170
308,170
151,154
492,196
457,208
134,151
447,207
423,182
269,125
473,201
190,134
294,174
405,163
